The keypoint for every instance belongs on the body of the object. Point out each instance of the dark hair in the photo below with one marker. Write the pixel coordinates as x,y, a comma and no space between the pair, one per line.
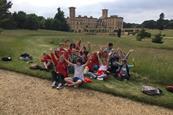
110,44
72,45
79,60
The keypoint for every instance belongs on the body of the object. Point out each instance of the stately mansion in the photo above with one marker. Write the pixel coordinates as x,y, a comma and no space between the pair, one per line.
90,24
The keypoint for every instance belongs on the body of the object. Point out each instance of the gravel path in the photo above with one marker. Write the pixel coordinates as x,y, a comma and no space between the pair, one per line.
25,95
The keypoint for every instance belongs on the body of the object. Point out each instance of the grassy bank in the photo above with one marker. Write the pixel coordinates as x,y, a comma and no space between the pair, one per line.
153,62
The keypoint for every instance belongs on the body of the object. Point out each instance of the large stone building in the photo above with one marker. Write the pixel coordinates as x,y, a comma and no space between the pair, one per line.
90,24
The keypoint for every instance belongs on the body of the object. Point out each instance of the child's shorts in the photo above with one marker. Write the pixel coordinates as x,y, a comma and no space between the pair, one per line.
75,79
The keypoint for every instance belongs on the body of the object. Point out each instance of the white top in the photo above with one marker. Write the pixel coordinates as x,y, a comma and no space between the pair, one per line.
103,67
78,71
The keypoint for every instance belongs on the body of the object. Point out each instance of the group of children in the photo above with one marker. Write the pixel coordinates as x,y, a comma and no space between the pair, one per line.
79,60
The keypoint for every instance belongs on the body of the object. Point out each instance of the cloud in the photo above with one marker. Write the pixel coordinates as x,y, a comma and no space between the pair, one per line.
132,10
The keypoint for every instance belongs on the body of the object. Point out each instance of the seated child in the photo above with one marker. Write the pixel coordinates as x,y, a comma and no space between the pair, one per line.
78,78
93,63
84,54
101,73
46,59
59,72
123,71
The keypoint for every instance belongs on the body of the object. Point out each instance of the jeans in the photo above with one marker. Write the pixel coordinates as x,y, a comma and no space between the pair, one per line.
58,78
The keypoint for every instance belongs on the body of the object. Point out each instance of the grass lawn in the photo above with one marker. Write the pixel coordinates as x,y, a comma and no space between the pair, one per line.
153,62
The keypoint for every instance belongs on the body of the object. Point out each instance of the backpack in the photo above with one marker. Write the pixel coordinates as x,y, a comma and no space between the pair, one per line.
152,91
6,58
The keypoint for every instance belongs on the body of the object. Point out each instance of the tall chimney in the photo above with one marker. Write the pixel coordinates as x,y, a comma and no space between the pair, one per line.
72,12
104,13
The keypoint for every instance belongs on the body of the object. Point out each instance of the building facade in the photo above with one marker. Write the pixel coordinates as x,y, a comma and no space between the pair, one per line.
90,24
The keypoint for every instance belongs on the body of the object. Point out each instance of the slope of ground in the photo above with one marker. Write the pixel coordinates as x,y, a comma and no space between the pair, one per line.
21,94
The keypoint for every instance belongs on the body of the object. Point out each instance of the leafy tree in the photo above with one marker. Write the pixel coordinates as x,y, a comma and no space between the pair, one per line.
4,11
162,16
49,23
142,34
170,24
131,25
60,21
158,38
41,21
160,21
32,22
151,24
20,19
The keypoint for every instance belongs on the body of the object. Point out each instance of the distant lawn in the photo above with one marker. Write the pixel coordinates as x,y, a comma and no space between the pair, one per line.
153,62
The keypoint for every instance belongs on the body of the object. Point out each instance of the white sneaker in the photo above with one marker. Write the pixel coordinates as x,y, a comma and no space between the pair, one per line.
53,84
100,78
59,86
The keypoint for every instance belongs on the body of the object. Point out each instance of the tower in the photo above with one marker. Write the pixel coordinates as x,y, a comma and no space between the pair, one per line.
104,13
72,12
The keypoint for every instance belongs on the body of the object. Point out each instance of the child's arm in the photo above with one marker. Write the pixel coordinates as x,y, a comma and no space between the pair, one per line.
129,52
121,53
100,61
45,65
87,61
108,58
68,61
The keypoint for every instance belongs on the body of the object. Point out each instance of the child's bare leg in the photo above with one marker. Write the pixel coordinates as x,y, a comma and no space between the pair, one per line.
77,83
69,80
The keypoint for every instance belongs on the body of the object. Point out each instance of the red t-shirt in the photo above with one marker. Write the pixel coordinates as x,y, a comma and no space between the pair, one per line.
61,67
46,58
94,61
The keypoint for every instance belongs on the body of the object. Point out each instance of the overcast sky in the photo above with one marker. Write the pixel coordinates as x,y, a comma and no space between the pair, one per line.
134,11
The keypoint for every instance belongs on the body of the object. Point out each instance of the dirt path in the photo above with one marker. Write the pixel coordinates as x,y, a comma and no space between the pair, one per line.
21,95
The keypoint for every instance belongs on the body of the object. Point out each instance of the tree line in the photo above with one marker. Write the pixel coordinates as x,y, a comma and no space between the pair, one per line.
22,20
161,23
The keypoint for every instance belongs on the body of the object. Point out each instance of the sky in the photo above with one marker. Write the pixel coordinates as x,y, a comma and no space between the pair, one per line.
133,11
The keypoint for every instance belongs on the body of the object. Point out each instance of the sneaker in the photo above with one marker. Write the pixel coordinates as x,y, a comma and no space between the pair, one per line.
53,84
100,78
59,86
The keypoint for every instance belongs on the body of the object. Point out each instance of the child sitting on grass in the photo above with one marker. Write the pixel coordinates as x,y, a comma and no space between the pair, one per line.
123,71
78,78
46,60
59,71
103,67
101,73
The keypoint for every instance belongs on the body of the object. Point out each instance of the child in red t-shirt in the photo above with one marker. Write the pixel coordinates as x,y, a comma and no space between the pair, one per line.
93,64
59,72
46,59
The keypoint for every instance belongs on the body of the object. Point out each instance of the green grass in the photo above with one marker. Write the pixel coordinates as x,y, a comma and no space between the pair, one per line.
153,62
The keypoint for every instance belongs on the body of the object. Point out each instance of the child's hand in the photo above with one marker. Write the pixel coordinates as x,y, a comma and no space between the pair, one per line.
131,50
51,50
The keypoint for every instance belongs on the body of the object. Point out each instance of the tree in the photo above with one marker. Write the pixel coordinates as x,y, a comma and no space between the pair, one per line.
158,38
160,21
151,24
4,11
130,25
49,23
162,16
20,19
142,34
32,22
41,21
60,21
170,25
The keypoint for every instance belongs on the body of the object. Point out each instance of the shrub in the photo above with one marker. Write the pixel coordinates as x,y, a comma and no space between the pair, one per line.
158,38
142,34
